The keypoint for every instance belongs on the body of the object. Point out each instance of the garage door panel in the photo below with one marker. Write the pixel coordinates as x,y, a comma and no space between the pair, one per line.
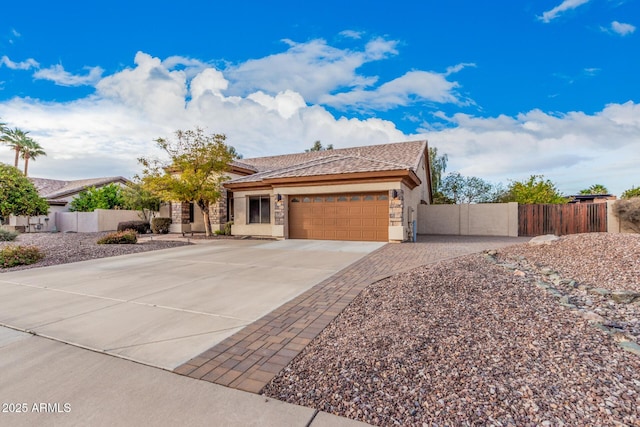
351,216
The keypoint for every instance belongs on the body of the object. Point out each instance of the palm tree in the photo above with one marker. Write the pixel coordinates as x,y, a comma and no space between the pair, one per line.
31,151
595,189
16,139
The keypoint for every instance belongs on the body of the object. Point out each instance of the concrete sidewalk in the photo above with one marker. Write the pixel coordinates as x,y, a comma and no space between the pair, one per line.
56,384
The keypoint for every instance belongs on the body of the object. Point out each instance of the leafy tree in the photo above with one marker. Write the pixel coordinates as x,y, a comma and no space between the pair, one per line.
107,197
457,188
136,197
534,190
18,196
595,189
632,192
195,172
437,164
31,150
16,139
317,146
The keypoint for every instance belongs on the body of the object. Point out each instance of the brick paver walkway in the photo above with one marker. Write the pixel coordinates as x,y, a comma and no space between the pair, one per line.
249,359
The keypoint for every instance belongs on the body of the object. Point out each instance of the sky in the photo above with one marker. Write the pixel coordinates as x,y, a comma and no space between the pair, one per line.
547,87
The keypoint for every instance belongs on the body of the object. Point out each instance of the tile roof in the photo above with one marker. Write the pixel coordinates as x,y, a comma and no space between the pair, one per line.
52,189
372,158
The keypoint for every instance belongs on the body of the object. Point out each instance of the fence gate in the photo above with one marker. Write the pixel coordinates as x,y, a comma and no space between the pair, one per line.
535,220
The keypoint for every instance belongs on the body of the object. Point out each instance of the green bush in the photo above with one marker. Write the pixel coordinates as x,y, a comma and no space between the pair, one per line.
160,225
10,256
126,237
227,228
631,193
7,236
140,227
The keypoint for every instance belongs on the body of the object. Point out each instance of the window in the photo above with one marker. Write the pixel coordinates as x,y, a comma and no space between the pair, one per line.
259,210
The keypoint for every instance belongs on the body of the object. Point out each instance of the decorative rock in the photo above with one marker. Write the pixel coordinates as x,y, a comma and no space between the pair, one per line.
630,347
547,271
624,297
519,273
543,240
599,291
592,317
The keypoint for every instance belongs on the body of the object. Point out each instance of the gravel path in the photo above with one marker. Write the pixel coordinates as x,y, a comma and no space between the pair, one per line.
511,337
63,248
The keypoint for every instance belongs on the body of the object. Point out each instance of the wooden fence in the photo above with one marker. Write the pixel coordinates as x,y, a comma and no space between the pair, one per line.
535,220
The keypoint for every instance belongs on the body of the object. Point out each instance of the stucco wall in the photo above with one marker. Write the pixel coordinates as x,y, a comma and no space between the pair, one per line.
491,219
91,222
241,226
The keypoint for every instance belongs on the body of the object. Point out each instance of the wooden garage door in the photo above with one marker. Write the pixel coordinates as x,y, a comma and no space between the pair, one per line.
352,216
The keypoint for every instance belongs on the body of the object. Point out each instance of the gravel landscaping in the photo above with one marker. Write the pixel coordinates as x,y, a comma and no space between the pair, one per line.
522,336
63,248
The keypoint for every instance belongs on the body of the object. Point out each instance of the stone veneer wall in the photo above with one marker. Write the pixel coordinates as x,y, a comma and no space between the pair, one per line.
396,208
218,210
180,212
278,212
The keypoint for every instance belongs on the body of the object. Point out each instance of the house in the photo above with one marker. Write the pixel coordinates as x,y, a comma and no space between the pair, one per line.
591,198
368,193
59,194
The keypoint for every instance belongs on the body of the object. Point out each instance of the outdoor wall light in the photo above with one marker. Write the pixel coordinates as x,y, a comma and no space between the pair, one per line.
279,197
394,194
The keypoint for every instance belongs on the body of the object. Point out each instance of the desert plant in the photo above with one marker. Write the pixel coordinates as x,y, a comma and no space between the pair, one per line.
126,237
227,228
628,212
140,227
630,193
7,236
11,256
160,225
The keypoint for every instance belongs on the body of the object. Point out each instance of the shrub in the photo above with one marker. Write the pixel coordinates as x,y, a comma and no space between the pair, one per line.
160,225
628,211
7,236
126,237
141,227
10,256
630,193
227,228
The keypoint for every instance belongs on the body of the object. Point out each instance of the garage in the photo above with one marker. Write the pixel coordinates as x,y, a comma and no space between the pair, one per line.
343,216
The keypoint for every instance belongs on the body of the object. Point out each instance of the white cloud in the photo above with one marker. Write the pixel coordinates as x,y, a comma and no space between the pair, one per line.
566,5
59,76
23,65
622,28
312,69
459,67
409,88
350,34
103,134
574,149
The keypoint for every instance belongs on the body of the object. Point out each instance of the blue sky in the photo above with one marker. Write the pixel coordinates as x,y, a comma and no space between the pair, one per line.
519,88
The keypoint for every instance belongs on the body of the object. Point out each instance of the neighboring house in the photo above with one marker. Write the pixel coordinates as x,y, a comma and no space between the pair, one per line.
59,194
591,198
366,193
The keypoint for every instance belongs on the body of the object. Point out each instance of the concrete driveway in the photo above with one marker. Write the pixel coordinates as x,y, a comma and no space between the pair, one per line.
162,308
